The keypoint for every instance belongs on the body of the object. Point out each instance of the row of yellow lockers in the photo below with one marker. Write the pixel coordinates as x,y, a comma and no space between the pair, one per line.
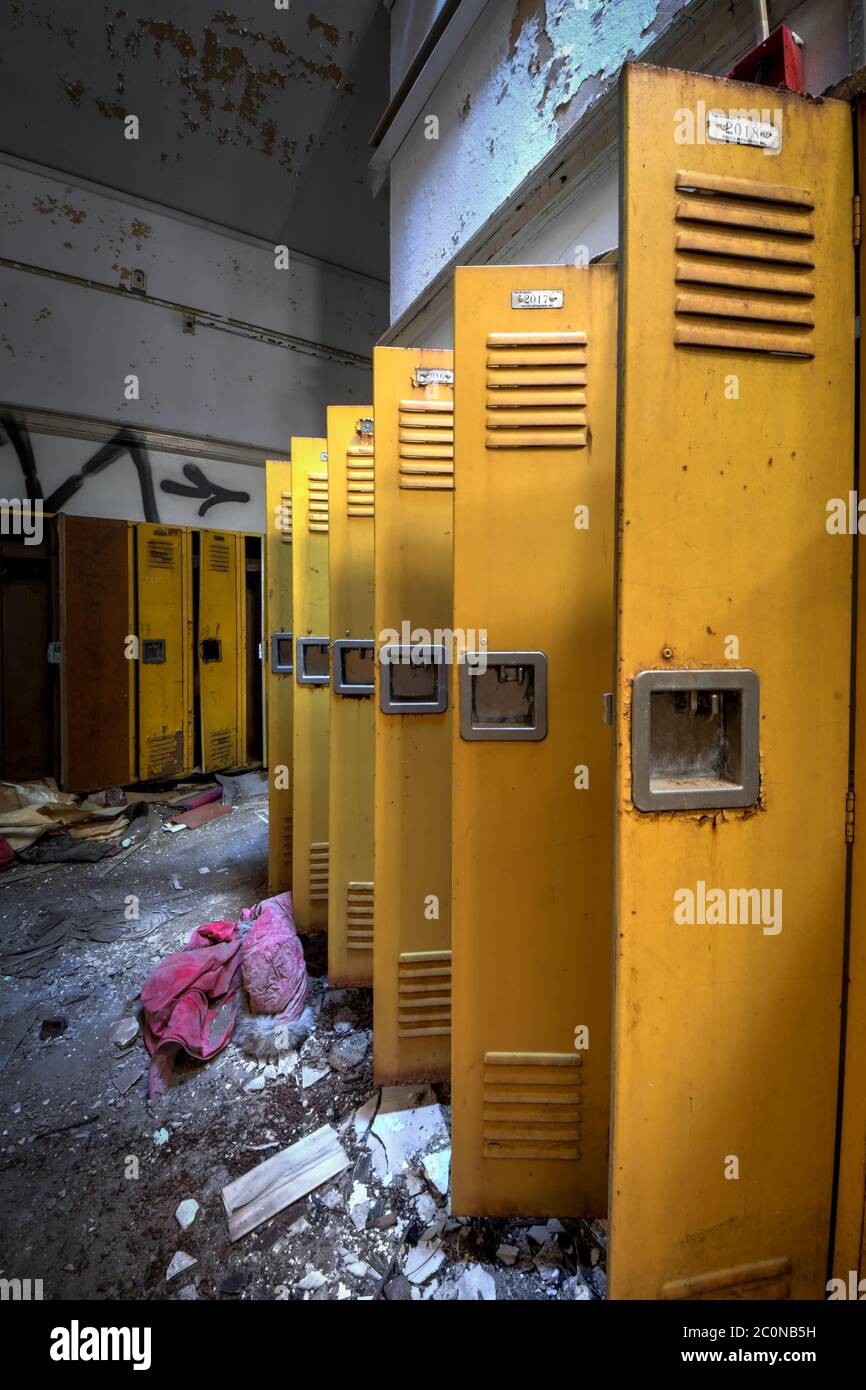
565,669
158,630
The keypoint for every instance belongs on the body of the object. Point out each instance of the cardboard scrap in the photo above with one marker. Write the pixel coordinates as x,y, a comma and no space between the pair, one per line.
281,1180
199,815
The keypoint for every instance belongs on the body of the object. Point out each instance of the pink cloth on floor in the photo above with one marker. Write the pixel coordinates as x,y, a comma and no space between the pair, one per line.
273,965
191,1000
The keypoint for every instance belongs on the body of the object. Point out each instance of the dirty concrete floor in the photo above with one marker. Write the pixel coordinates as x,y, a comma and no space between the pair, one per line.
92,1172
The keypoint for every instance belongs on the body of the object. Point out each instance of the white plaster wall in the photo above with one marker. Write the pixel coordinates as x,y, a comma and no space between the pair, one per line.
68,347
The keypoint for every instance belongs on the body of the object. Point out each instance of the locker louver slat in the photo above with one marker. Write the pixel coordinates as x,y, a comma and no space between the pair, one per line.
744,258
532,1105
160,553
219,556
359,916
536,390
426,440
317,505
284,518
221,748
360,480
319,871
424,994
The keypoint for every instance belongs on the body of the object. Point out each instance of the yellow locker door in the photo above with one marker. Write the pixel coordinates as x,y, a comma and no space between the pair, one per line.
219,648
280,656
310,716
849,1247
165,685
534,411
414,409
351,489
732,694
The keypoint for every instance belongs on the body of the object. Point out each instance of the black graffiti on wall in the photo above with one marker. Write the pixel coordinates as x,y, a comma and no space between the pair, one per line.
200,486
125,441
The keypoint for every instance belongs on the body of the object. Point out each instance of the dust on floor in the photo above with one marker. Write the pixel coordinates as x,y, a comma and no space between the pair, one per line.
93,1173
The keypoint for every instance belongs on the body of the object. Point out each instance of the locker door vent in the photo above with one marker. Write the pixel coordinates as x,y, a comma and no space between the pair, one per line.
286,841
284,517
219,557
317,505
220,748
765,1279
359,916
426,437
532,1105
164,754
536,391
160,553
319,872
360,485
424,994
744,257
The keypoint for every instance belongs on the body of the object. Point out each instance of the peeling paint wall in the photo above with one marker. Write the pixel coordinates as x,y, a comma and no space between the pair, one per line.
69,346
529,71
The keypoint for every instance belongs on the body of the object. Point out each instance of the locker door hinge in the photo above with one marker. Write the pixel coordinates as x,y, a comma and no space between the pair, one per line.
856,202
849,818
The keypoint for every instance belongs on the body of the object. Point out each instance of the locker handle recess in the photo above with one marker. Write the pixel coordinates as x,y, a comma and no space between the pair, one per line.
153,651
353,667
503,697
211,649
282,647
413,679
695,739
312,661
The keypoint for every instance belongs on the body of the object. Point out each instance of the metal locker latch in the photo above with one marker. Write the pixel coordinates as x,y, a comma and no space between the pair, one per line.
503,697
695,739
353,667
312,661
413,679
282,646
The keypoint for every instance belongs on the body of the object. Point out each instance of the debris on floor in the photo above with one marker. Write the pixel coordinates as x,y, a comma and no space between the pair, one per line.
378,1227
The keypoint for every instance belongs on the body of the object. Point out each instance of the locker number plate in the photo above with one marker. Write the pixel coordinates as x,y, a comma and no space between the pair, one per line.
740,130
537,299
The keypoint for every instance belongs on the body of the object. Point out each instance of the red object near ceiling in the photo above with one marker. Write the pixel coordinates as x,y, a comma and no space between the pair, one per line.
777,62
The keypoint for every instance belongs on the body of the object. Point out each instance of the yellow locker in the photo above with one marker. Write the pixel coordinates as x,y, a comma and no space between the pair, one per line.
165,661
732,696
311,715
280,672
849,1247
414,409
535,397
351,489
220,648
252,695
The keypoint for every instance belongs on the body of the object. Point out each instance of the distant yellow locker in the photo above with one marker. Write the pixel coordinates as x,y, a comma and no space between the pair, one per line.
535,392
351,488
732,699
165,659
220,652
849,1249
311,714
414,406
280,678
